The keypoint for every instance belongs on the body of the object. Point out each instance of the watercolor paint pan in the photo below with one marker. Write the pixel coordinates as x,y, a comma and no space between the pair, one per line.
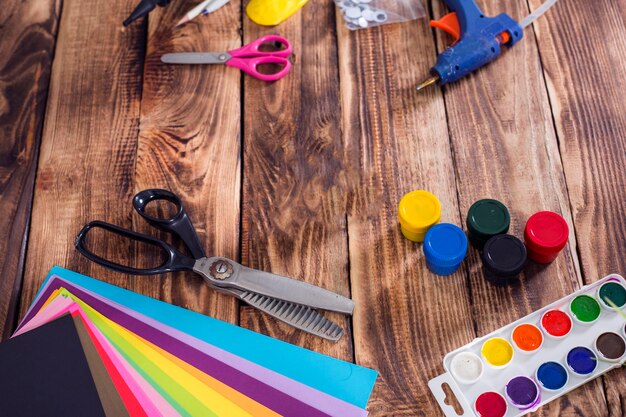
583,347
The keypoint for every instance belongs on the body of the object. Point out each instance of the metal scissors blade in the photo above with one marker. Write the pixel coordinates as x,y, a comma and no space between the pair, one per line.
225,273
196,58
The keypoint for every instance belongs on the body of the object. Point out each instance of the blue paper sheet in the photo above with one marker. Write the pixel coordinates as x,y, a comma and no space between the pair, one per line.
344,380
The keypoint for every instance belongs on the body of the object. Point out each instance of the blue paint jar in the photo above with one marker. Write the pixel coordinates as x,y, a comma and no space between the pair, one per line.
445,246
552,376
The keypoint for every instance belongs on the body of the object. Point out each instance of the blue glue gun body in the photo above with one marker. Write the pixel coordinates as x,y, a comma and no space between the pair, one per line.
480,41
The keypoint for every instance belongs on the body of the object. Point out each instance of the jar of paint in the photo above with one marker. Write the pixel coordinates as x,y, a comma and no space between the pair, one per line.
466,367
418,211
610,347
585,309
613,291
485,219
545,235
522,392
490,404
497,352
581,361
445,246
556,324
527,338
504,257
552,376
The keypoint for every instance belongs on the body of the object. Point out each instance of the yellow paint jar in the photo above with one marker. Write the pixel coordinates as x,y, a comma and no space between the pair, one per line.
417,212
497,352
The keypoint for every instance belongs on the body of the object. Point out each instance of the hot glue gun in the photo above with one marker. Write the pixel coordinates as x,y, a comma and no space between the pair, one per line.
478,39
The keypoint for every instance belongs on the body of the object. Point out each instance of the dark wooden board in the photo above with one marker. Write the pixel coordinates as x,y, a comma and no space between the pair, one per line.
89,143
28,39
189,143
585,71
302,177
296,168
505,148
406,320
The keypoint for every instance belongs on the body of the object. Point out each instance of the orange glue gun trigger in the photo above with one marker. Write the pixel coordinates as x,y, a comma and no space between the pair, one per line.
449,24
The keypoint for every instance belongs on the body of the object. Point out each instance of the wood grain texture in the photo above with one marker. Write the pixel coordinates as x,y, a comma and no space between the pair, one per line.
586,77
28,40
296,170
89,141
189,143
407,318
506,148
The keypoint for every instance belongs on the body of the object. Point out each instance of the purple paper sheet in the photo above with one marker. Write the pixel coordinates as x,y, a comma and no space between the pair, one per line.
275,391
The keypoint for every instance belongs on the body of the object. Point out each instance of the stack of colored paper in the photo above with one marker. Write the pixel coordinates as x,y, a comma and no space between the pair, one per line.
88,348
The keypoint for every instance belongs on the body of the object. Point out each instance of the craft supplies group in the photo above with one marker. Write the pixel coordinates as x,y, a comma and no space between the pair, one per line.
539,358
127,355
503,256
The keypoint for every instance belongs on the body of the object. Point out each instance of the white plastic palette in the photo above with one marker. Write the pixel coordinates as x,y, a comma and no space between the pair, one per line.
526,364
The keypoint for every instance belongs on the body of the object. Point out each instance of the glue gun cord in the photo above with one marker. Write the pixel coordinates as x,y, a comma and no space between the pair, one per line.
537,13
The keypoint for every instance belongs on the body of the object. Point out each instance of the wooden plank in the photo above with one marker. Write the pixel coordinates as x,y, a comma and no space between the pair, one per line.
586,76
28,40
89,140
505,148
189,143
408,318
295,172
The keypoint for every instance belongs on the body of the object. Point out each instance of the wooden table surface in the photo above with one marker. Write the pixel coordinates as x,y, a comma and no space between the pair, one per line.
302,177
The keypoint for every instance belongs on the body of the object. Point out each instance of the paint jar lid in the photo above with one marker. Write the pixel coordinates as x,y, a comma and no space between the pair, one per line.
487,218
445,244
418,211
546,232
504,255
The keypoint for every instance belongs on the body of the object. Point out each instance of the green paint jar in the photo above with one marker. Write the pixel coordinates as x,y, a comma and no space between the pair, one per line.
585,309
485,219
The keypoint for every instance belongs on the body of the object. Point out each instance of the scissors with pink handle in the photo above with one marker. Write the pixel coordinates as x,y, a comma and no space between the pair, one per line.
247,58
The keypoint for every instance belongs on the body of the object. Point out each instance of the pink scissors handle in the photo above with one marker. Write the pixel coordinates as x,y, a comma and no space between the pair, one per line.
249,65
252,50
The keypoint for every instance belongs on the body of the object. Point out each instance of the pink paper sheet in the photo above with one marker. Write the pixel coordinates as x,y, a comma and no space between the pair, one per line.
151,401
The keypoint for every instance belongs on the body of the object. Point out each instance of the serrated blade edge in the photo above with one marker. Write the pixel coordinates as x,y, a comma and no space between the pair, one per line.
299,316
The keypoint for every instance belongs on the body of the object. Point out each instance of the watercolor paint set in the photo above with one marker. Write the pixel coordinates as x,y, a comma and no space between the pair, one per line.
539,358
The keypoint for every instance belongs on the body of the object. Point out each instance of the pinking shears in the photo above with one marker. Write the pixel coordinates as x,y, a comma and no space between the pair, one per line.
478,39
291,301
248,58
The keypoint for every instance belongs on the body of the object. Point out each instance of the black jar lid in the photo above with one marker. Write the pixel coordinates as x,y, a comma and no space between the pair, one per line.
504,256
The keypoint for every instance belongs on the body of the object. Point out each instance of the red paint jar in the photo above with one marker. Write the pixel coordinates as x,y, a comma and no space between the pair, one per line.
545,236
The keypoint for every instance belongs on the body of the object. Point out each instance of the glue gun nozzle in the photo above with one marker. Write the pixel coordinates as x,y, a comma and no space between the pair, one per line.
430,81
